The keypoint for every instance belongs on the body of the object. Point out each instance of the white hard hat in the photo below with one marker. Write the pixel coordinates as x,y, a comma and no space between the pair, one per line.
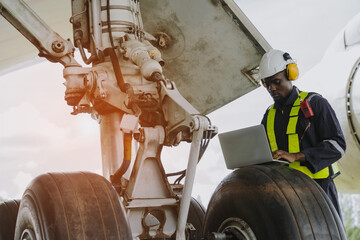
273,62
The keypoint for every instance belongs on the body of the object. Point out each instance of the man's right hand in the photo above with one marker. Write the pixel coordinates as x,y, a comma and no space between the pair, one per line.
290,157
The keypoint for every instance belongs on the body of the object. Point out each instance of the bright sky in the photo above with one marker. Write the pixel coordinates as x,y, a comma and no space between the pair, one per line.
38,134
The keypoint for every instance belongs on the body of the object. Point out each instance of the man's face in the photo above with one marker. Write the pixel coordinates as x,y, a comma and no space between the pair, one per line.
278,86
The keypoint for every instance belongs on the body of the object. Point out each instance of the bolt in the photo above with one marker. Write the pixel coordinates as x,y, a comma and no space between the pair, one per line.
164,40
58,46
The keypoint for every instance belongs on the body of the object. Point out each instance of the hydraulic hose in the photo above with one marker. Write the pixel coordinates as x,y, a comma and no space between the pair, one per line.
83,55
116,66
109,23
116,178
111,52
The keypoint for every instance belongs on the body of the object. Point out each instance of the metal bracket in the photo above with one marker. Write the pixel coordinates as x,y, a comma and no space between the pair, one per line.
191,231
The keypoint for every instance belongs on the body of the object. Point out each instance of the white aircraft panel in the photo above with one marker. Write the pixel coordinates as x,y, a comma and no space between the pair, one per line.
212,45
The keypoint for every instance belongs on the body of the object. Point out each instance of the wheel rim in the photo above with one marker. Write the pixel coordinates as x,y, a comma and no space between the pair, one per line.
237,228
28,234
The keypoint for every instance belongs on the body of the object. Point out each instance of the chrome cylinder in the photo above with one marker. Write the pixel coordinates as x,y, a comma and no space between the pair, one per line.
119,17
112,148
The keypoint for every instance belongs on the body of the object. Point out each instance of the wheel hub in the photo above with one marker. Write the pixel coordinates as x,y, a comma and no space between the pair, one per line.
236,228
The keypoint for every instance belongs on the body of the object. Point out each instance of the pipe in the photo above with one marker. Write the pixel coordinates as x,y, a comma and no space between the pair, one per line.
116,177
109,23
117,70
190,176
83,55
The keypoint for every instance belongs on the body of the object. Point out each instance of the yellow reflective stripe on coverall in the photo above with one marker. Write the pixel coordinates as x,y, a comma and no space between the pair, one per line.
270,123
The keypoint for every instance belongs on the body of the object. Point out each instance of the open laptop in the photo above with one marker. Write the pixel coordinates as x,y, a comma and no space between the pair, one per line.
247,146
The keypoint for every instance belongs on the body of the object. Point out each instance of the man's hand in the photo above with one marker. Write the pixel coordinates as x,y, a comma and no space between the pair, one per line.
290,157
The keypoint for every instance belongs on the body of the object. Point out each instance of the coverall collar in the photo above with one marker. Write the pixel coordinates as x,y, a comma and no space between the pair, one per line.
289,101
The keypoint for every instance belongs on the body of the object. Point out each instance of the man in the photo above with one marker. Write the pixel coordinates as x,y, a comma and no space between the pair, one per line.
310,138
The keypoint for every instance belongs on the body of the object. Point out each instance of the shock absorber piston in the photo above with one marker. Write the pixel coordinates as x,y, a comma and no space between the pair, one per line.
119,17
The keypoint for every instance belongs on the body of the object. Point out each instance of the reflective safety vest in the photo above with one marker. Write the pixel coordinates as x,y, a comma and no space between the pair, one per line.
293,140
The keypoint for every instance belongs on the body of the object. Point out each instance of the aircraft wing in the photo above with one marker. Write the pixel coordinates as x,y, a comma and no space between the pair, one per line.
211,48
210,52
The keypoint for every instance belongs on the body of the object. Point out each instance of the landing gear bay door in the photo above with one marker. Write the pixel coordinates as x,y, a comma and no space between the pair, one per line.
211,50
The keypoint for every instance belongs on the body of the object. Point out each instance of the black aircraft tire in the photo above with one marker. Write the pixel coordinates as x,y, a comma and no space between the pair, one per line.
8,214
71,206
272,202
196,217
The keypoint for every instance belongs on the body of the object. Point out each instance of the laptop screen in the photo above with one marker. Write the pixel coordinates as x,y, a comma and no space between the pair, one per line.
244,147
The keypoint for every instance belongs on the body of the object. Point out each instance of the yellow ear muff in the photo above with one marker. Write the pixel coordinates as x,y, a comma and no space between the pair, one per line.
292,71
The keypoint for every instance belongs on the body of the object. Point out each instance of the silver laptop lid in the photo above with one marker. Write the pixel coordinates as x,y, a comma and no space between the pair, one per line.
244,147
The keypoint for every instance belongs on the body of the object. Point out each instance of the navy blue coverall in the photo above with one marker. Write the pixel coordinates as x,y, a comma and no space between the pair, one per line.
323,143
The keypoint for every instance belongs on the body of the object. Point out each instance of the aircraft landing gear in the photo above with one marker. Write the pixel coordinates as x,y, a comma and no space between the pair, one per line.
271,202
